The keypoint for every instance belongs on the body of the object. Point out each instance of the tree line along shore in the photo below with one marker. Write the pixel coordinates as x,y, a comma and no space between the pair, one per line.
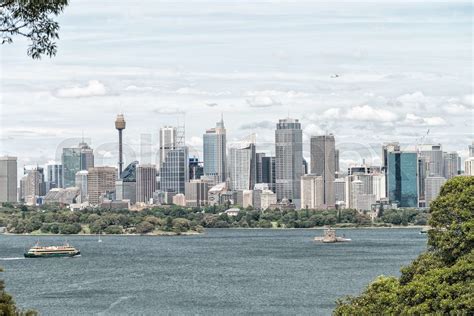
175,220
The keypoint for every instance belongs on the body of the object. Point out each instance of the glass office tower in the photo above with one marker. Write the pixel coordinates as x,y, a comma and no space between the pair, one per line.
402,178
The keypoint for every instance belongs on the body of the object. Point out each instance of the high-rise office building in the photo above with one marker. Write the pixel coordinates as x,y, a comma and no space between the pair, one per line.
432,188
433,158
33,184
146,182
337,160
196,169
81,183
386,149
242,165
197,193
167,141
312,191
469,166
323,163
126,186
215,151
87,156
378,186
75,159
100,183
269,173
340,190
452,165
175,170
8,179
288,159
126,191
402,177
54,175
471,150
259,170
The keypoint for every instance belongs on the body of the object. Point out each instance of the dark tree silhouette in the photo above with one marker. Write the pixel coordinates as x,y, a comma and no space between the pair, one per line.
34,20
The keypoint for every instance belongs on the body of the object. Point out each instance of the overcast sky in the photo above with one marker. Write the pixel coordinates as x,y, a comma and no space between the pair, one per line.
369,72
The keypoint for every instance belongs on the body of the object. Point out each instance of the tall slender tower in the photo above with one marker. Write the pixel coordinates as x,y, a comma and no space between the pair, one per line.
120,126
215,152
323,163
288,159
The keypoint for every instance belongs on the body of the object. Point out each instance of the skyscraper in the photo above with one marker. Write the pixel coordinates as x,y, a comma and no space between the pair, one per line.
81,183
242,166
167,141
312,191
126,186
55,175
120,126
8,179
175,170
196,193
323,163
386,149
75,159
402,176
268,172
452,164
146,182
215,151
259,170
469,166
100,183
196,169
433,157
33,184
471,150
289,159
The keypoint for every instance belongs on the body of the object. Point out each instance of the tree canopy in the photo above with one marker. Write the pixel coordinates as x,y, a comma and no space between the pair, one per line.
439,281
33,20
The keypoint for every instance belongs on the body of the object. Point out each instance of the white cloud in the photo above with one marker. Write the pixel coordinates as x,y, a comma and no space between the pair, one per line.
416,100
136,88
468,100
414,120
259,125
262,102
193,91
279,94
333,113
368,113
455,109
312,130
93,88
168,111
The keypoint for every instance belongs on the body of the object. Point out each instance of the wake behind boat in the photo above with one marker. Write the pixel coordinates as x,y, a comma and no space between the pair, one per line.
330,237
52,251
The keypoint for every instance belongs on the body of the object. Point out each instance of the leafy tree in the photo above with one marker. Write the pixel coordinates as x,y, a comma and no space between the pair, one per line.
439,281
144,227
114,229
33,20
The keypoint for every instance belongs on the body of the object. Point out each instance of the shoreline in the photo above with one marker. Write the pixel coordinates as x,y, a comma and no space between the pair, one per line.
195,233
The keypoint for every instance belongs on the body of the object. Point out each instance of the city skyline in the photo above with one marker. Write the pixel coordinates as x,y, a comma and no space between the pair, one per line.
365,92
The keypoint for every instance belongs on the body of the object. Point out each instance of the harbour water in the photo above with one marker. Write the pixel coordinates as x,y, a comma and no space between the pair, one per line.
224,271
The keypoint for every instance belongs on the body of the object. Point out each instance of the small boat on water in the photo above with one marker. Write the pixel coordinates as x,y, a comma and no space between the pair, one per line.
424,230
52,251
330,236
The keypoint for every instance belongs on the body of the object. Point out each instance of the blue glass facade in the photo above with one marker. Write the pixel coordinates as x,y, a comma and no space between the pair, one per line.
402,178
